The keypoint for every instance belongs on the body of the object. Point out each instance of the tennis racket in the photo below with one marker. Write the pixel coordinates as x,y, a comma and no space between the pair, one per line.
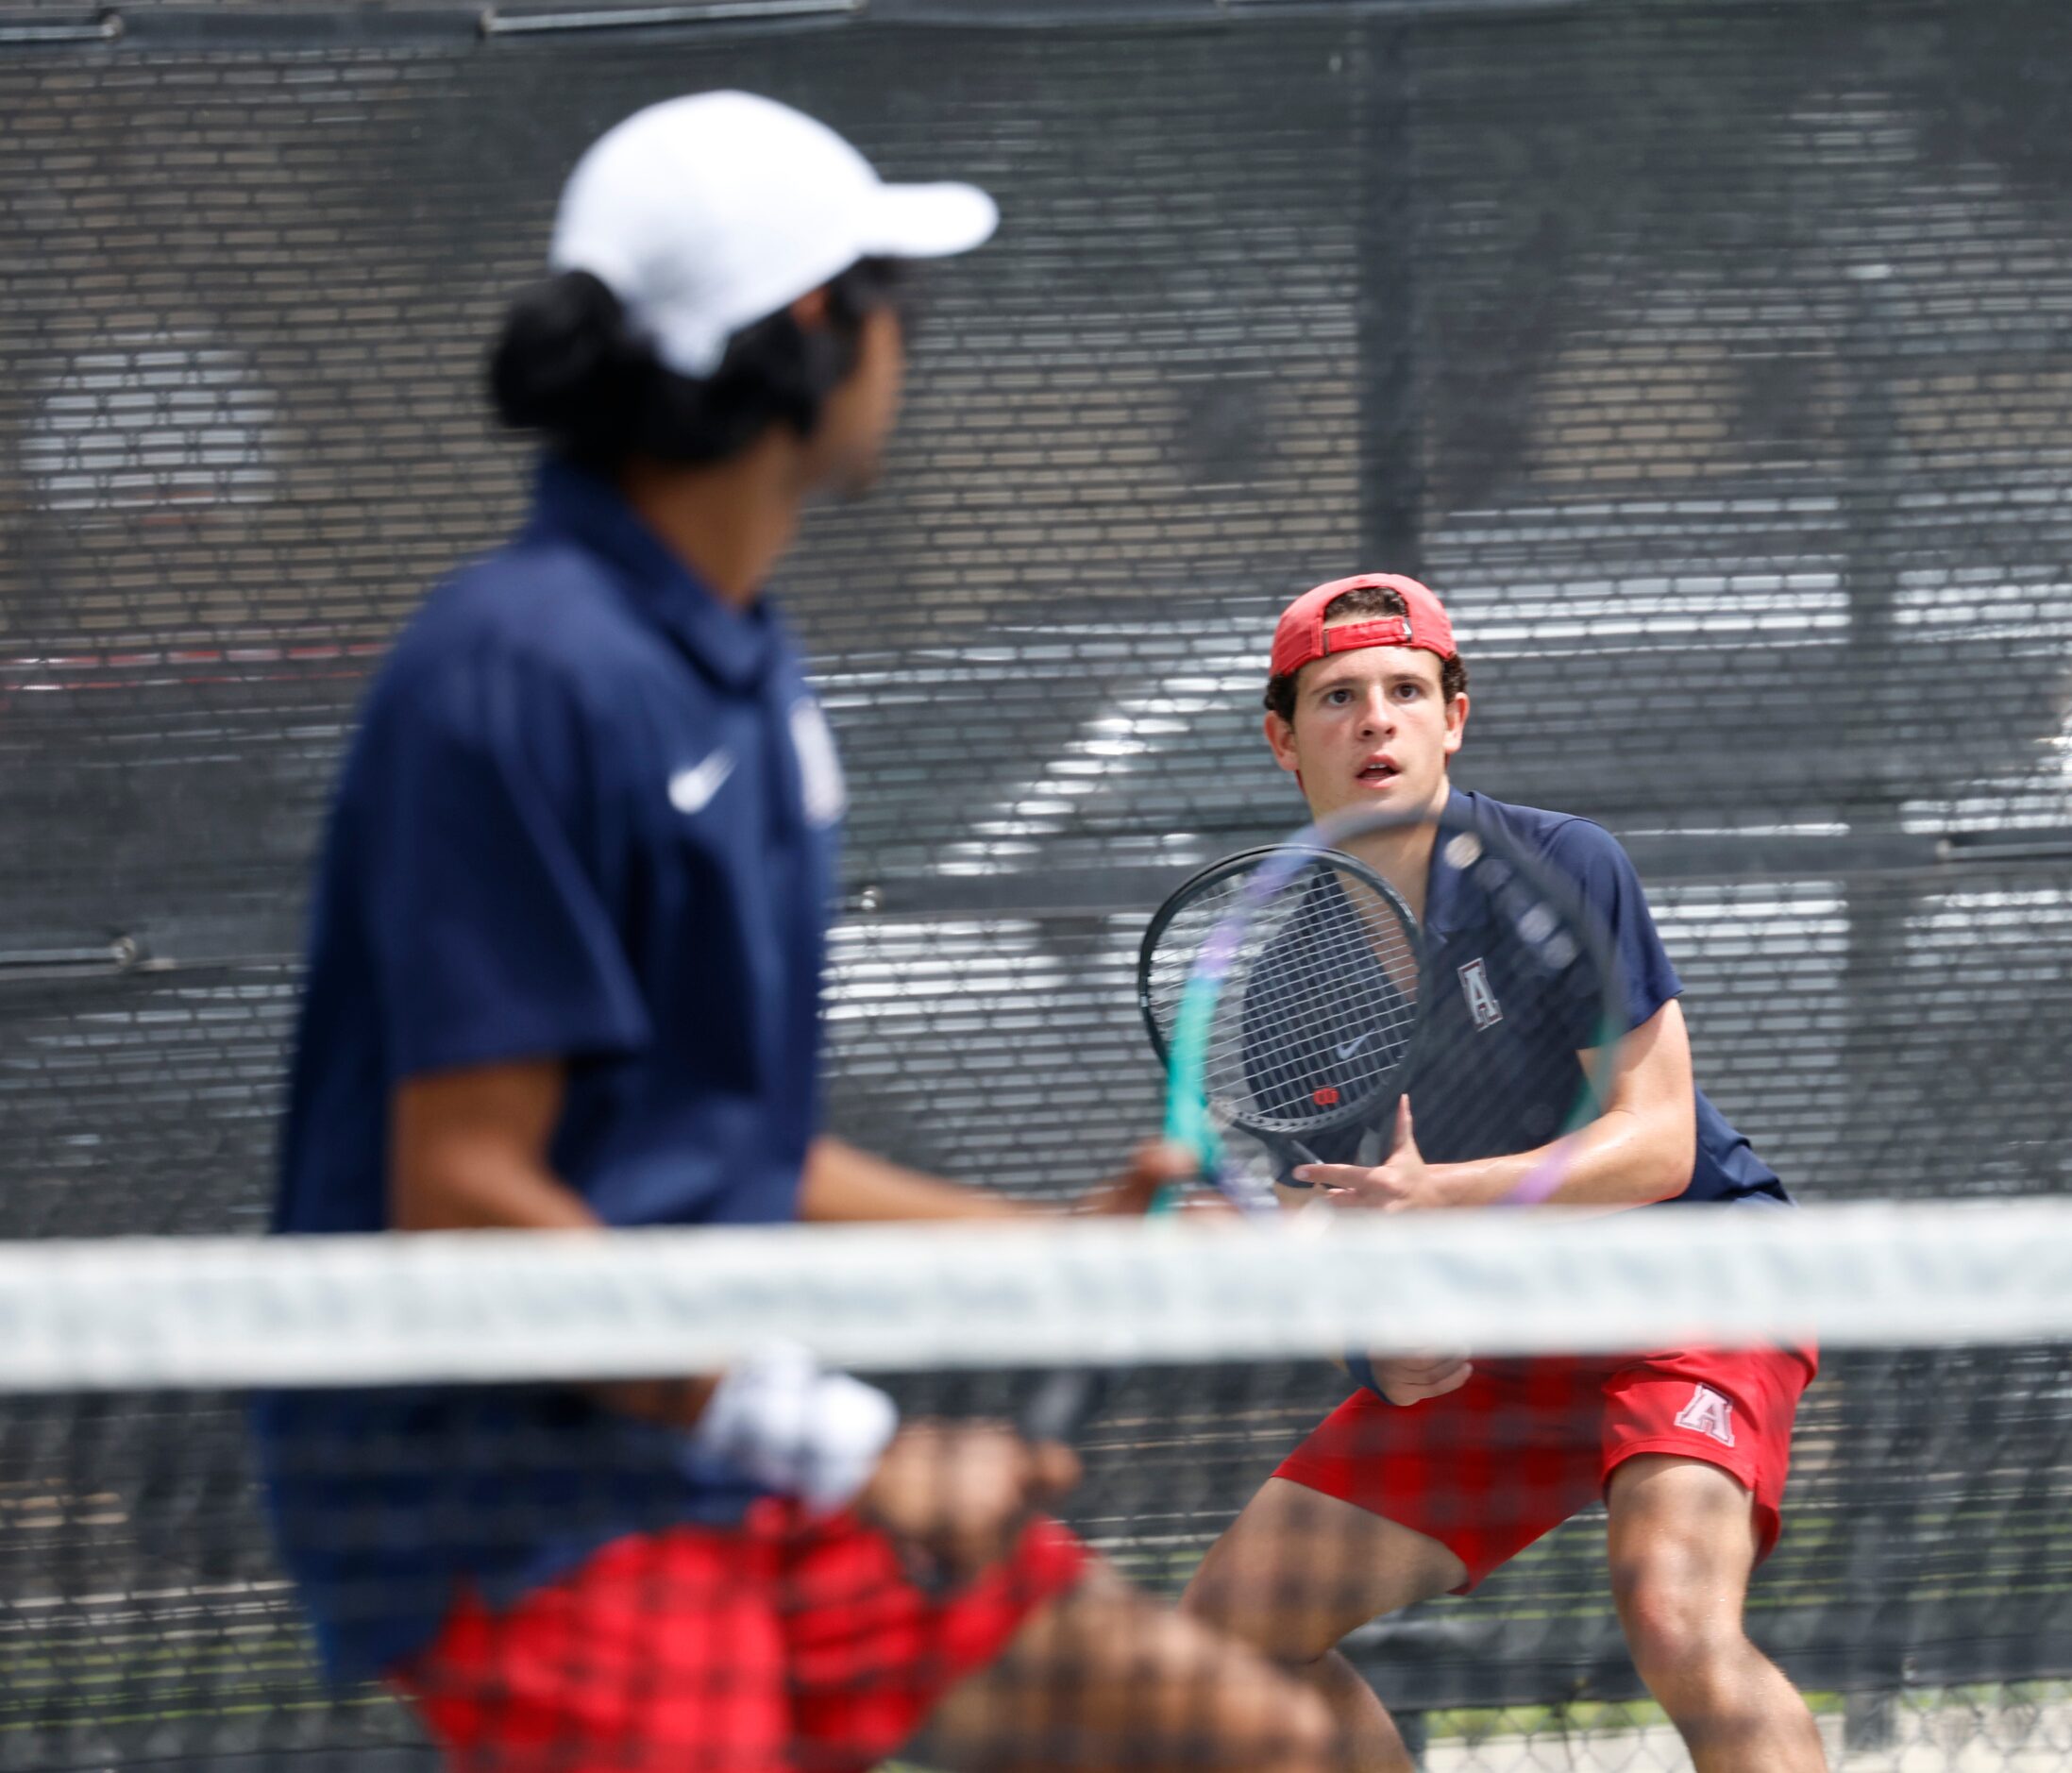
1303,968
1292,995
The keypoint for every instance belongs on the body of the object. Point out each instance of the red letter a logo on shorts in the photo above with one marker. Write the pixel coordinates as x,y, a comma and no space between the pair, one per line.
1709,1413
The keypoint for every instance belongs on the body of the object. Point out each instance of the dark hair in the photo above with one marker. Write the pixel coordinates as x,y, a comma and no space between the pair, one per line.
1367,600
570,365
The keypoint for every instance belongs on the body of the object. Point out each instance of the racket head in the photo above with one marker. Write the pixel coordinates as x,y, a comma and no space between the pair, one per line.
1317,967
1517,980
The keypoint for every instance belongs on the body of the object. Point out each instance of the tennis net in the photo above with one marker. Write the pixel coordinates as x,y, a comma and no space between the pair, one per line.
1921,1596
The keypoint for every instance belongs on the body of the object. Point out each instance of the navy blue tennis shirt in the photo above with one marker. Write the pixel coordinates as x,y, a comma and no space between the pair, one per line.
591,814
1519,1052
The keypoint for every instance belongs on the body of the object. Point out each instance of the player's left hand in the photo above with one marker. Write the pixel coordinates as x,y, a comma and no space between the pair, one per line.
1154,1167
1403,1183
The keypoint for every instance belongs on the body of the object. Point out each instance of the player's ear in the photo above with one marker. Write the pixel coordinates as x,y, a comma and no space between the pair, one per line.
811,310
1457,722
1280,735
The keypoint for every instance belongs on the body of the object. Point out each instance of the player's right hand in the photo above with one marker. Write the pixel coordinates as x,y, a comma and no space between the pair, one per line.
962,1493
1412,1378
1154,1168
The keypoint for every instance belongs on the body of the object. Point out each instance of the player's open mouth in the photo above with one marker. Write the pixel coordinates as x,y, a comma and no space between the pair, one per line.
1381,770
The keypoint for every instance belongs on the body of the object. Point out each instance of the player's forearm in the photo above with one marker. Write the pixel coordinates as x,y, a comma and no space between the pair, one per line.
458,1182
842,1184
452,1168
487,1196
1625,1158
1639,1150
468,1152
495,1192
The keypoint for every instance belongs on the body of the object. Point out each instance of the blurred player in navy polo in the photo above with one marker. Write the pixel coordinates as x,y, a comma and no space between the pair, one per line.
1441,1470
565,972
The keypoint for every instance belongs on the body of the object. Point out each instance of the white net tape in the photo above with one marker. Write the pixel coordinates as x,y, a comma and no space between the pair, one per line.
120,1314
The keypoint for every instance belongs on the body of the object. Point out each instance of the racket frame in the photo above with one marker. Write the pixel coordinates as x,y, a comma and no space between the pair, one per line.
1371,1109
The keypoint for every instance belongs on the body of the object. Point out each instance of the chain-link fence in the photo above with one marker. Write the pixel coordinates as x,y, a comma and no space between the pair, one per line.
1713,360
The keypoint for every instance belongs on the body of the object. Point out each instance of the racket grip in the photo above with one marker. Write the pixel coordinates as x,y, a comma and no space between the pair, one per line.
1192,1130
1208,1172
1064,1404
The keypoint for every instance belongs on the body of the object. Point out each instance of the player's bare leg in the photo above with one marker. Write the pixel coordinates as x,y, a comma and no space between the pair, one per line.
1107,1680
1682,1547
1296,1572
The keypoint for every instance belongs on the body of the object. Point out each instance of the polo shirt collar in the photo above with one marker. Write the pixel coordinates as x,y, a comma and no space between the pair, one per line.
1448,901
734,645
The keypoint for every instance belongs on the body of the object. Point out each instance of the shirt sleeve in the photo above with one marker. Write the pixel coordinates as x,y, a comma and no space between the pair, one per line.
1612,898
490,925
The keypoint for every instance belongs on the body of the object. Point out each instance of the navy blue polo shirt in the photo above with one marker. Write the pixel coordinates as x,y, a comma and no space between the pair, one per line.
1512,1079
592,814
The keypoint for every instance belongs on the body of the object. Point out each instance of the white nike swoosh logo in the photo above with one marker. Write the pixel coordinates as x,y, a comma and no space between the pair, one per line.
1351,1047
690,789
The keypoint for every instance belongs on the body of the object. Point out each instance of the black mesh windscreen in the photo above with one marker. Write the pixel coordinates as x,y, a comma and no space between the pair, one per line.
1924,1553
1714,362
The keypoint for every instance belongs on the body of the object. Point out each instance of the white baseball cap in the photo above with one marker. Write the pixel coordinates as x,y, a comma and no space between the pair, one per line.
702,214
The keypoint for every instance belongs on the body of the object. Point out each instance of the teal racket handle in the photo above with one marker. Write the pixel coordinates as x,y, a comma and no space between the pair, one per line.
1189,1127
1187,1122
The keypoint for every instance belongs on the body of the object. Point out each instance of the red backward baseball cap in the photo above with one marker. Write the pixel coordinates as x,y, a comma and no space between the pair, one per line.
1301,636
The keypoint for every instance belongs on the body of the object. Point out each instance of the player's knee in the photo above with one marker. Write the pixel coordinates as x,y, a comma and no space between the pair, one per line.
1258,1716
1685,1646
1306,1737
1238,1708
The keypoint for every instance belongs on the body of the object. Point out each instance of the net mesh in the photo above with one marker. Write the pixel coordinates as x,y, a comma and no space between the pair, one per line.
1710,360
1922,1592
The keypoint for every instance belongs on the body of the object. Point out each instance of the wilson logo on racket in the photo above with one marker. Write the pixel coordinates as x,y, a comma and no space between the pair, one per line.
1482,1004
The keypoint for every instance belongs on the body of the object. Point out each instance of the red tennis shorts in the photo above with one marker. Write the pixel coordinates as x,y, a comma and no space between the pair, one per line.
779,1645
1523,1444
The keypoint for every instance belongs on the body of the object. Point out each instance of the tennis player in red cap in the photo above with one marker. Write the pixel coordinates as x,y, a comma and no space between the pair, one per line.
1440,1470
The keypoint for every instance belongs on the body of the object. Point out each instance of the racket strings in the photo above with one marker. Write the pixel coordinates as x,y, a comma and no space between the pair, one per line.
1173,959
1318,1009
